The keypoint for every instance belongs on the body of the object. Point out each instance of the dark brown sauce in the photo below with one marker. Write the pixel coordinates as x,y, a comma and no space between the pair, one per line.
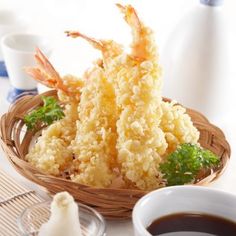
192,224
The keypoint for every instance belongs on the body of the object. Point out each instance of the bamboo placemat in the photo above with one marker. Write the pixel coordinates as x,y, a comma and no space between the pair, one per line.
13,200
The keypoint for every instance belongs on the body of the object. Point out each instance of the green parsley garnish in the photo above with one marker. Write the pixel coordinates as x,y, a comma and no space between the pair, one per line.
45,115
183,165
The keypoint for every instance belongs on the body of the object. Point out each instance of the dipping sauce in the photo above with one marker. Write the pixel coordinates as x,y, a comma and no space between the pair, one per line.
192,224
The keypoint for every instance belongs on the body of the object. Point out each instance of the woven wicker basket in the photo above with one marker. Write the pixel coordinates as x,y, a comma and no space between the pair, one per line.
112,203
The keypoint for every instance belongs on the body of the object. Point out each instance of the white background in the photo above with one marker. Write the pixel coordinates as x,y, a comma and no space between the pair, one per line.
101,19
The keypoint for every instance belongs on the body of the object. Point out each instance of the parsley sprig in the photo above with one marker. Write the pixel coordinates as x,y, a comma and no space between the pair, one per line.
183,165
45,115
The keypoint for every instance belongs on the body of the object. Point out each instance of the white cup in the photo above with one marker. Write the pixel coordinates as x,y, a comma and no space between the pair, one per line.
19,51
10,22
179,199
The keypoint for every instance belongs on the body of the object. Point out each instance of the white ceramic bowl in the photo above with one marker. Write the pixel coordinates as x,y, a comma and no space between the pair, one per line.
178,199
18,51
10,22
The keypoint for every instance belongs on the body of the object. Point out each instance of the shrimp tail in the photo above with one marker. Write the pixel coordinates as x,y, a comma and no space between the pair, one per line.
142,36
45,72
95,43
109,48
130,16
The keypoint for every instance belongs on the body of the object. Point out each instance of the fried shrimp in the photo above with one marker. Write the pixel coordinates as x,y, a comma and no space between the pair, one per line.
140,140
99,171
95,143
51,154
177,126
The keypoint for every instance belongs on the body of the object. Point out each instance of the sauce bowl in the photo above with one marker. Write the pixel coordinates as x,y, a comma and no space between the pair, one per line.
182,199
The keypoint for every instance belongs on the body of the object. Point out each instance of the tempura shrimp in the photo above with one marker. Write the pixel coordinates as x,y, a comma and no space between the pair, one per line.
99,169
174,121
177,126
141,142
95,143
51,153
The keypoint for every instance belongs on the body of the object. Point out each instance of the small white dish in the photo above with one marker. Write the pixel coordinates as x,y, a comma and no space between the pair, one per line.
181,199
31,219
18,51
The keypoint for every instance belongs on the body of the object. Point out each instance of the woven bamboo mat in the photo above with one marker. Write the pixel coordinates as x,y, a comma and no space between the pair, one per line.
13,200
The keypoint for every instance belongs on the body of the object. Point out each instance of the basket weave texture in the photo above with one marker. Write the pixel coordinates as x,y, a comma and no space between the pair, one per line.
112,203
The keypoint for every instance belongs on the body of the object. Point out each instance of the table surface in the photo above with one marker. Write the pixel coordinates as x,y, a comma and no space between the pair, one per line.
115,228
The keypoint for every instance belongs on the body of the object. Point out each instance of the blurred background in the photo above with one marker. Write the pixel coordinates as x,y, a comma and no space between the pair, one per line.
101,19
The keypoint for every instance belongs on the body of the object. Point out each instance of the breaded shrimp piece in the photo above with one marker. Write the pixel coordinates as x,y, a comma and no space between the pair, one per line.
137,85
110,50
95,143
50,153
177,126
174,121
140,140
